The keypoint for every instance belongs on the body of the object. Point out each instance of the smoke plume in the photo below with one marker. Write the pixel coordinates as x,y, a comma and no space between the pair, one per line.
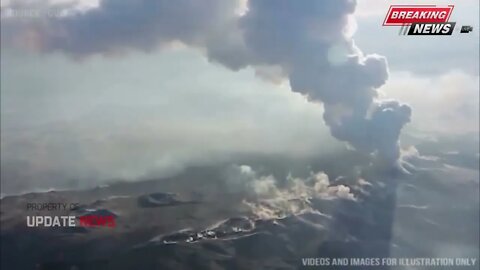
266,199
307,42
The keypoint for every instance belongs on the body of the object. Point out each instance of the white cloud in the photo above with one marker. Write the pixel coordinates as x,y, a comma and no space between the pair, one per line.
446,103
268,199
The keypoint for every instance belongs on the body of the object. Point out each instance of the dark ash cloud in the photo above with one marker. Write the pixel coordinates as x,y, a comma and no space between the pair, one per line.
308,41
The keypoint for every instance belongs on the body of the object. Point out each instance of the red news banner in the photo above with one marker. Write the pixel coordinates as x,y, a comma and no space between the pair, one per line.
399,15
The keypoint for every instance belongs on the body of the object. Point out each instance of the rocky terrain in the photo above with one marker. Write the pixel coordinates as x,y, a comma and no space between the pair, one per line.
196,221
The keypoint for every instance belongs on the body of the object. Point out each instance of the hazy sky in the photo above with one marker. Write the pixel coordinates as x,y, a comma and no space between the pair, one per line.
68,112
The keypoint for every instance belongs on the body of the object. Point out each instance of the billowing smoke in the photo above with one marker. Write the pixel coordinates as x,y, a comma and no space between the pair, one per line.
267,200
307,42
114,26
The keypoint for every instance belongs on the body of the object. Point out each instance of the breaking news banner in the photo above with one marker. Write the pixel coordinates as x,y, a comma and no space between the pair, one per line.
390,262
423,20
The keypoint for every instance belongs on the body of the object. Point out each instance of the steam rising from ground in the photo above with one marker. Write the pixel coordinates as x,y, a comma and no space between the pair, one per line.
307,42
267,199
